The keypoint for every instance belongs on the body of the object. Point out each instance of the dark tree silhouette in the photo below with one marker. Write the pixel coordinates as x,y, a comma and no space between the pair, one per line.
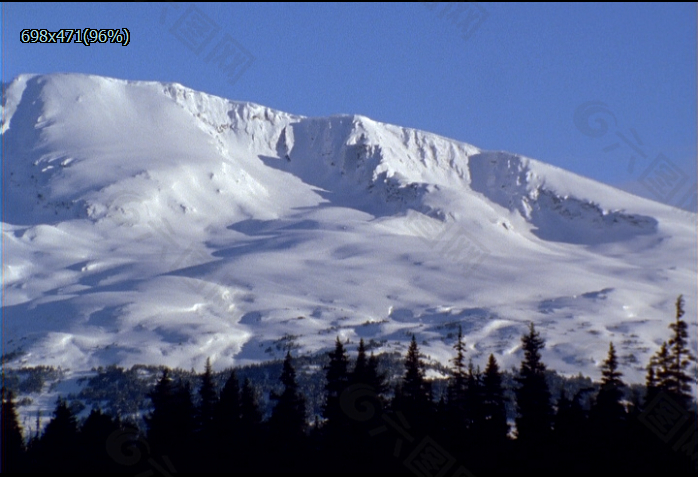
494,414
251,416
456,413
413,395
13,448
287,424
206,415
288,416
572,435
171,425
658,373
535,412
58,442
608,409
678,382
228,411
337,375
95,432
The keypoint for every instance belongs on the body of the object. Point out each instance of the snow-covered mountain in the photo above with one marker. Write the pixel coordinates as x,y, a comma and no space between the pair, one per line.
149,223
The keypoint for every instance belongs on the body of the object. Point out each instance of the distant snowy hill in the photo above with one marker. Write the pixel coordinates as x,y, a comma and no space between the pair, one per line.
150,223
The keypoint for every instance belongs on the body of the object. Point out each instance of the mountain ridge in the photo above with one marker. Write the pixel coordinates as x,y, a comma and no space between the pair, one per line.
165,225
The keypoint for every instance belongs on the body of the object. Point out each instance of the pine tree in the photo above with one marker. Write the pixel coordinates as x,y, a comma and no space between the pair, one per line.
413,396
473,399
456,390
208,405
172,423
13,448
251,416
659,367
375,379
288,416
287,424
185,411
229,410
608,409
360,373
337,375
252,448
572,434
494,414
95,432
535,412
680,358
160,421
57,443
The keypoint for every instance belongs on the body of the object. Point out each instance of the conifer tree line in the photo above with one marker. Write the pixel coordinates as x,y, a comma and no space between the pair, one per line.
368,426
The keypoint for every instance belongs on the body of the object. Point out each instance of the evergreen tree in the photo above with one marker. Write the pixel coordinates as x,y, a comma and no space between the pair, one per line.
13,448
608,409
360,373
337,375
251,416
58,447
288,416
161,421
229,410
375,379
172,423
679,380
658,370
413,396
252,448
335,435
494,414
572,434
95,432
366,372
535,413
208,406
185,411
287,424
456,391
473,399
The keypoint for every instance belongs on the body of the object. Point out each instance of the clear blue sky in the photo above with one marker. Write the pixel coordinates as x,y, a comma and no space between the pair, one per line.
500,76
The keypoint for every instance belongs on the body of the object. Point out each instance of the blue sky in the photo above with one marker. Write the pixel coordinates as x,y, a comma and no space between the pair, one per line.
500,76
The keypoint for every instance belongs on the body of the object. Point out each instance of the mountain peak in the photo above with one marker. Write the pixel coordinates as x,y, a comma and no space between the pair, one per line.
147,222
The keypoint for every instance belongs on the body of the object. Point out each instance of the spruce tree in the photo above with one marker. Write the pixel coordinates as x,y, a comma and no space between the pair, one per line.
249,435
251,416
571,432
360,373
13,448
208,406
288,416
95,432
535,412
229,410
413,396
376,379
337,375
161,421
494,414
473,399
287,424
58,442
366,374
456,391
679,380
608,409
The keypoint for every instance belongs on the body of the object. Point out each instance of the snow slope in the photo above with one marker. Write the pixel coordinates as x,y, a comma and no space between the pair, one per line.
150,223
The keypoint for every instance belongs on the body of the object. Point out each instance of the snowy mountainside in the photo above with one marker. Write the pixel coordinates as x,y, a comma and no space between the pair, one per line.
149,223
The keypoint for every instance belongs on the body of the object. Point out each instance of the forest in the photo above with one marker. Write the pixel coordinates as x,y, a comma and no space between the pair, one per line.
471,423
